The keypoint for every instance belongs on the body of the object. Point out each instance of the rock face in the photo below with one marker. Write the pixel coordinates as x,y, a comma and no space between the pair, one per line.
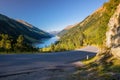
113,34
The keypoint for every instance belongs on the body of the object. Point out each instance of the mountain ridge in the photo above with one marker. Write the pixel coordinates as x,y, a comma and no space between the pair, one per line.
90,31
66,29
15,28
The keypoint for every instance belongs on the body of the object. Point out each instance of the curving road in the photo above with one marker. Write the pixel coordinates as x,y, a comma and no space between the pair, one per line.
48,66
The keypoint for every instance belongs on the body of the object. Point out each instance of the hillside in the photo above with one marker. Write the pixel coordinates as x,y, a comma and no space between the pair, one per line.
106,64
14,28
91,31
65,30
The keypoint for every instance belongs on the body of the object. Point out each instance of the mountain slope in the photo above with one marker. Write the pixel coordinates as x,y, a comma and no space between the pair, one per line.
15,28
91,31
65,30
106,64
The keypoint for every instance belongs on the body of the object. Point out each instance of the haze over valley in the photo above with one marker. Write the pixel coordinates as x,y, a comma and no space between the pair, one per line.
60,40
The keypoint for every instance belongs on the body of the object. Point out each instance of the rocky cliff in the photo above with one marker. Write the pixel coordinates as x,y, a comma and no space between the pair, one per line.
113,33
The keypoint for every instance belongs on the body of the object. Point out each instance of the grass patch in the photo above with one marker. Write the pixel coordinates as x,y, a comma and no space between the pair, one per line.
103,66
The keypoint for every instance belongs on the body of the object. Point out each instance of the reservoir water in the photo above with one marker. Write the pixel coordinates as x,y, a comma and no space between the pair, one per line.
47,42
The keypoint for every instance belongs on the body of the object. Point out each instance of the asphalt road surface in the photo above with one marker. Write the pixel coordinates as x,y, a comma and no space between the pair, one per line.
46,66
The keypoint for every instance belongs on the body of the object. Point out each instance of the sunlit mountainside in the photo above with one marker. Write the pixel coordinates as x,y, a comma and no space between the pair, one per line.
91,31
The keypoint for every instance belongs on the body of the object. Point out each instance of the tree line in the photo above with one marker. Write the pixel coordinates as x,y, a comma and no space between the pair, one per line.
10,44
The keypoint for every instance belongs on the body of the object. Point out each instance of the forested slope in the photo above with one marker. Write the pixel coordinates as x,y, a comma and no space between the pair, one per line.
91,31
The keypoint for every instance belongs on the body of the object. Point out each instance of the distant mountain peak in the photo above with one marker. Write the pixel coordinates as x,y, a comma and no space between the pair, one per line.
54,32
65,30
70,26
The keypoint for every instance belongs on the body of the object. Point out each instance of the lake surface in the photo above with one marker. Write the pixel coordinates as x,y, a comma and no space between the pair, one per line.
47,42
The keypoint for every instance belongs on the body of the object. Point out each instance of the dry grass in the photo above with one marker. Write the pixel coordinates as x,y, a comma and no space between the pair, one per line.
104,66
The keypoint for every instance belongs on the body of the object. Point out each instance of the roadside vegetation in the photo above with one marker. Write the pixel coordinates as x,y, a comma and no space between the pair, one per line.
9,44
102,67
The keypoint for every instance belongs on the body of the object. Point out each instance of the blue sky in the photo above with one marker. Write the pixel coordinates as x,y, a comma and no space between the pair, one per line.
49,15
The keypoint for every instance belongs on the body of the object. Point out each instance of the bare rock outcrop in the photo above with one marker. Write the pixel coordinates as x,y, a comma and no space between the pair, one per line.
113,34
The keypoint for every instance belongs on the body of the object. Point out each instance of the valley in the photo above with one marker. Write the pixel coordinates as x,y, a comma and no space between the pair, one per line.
87,50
